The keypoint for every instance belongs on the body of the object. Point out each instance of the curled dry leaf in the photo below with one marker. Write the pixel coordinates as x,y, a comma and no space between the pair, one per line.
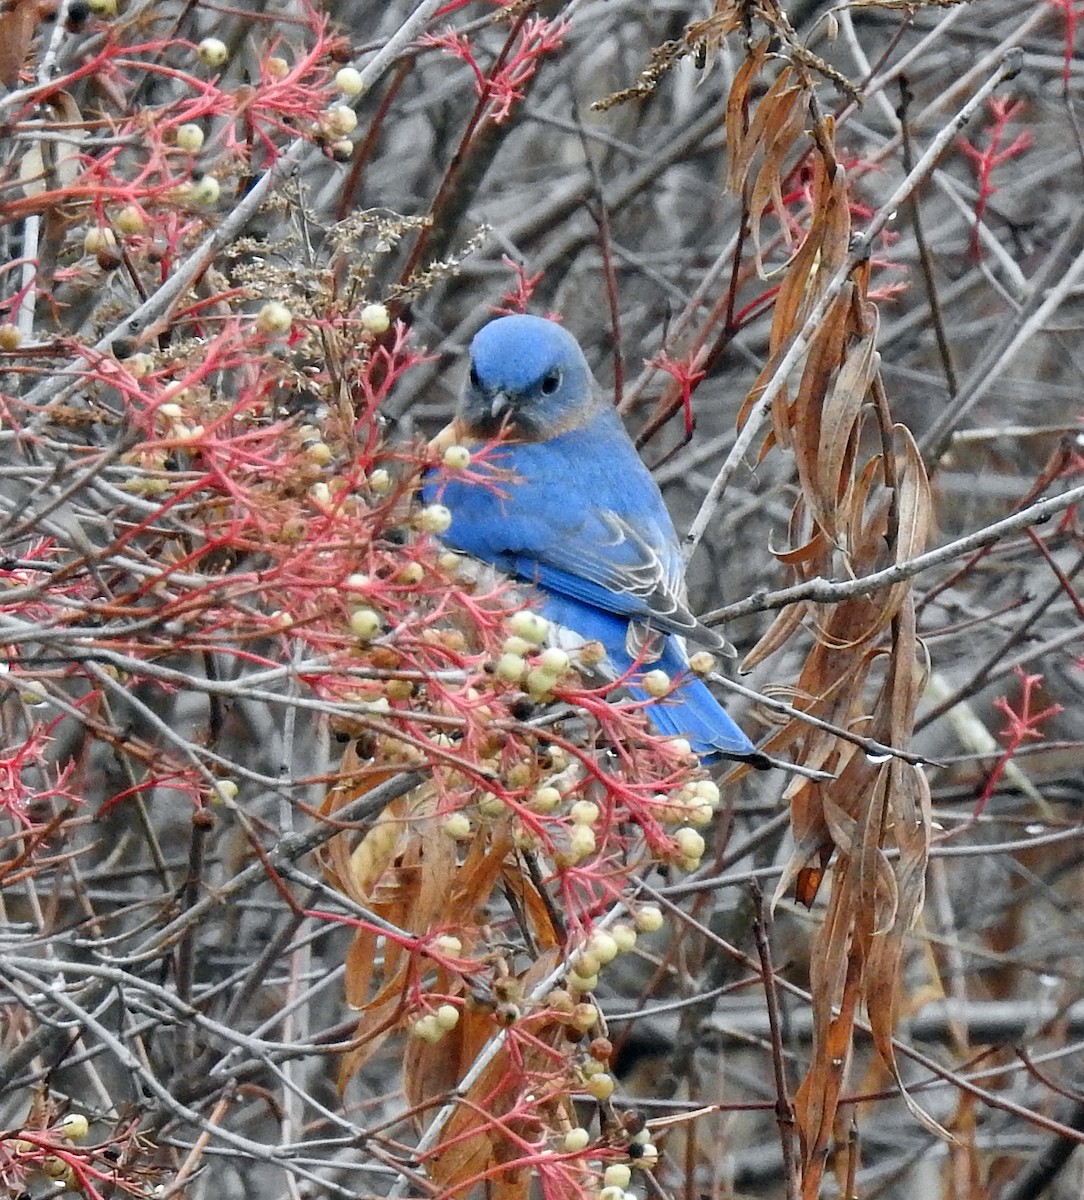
863,671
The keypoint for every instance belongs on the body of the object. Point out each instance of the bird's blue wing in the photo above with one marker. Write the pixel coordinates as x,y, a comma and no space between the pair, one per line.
580,516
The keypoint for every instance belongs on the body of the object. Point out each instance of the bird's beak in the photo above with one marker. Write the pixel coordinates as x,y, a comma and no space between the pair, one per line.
500,404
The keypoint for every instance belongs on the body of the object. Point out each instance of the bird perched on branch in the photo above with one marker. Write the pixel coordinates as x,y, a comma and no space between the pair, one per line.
574,511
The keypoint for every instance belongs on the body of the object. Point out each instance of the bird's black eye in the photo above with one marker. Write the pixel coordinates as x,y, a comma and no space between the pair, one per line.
551,382
475,382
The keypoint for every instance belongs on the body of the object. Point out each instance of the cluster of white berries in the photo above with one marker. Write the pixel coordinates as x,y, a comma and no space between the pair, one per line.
617,1176
433,1026
74,1127
539,676
180,429
694,804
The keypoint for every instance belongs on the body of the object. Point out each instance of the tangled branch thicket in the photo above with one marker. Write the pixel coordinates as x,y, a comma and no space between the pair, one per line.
318,876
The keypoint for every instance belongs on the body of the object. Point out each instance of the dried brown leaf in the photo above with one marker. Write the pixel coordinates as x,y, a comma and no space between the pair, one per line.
777,634
840,410
18,24
739,151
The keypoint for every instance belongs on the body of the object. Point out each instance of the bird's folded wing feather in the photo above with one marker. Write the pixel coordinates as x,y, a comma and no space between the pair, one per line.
588,554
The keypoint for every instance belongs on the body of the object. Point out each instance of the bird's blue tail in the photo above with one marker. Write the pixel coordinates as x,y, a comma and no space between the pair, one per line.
690,711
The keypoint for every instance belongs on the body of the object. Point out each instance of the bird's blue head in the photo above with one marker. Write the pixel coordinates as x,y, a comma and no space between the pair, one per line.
529,378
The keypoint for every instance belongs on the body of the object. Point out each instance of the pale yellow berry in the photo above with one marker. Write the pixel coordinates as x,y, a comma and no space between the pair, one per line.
75,1126
55,1168
342,149
225,790
277,68
449,561
399,689
491,806
649,1157
702,662
583,1017
689,843
530,626
688,865
434,518
582,983
575,1140
380,481
357,581
98,240
190,138
447,1016
625,937
617,1175
365,623
581,842
375,318
213,51
103,8
412,574
130,220
139,365
699,814
584,812
274,319
172,412
648,918
524,839
205,191
612,1193
319,453
560,1001
600,1086
602,945
539,684
427,1029
585,964
10,337
449,945
457,457
339,120
707,791
544,800
553,661
517,645
348,80
511,668
519,775
458,827
656,683
681,746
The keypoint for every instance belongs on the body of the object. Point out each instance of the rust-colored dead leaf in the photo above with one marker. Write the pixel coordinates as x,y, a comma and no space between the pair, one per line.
18,23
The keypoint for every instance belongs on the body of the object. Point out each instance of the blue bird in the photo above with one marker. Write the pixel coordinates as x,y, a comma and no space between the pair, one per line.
575,512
